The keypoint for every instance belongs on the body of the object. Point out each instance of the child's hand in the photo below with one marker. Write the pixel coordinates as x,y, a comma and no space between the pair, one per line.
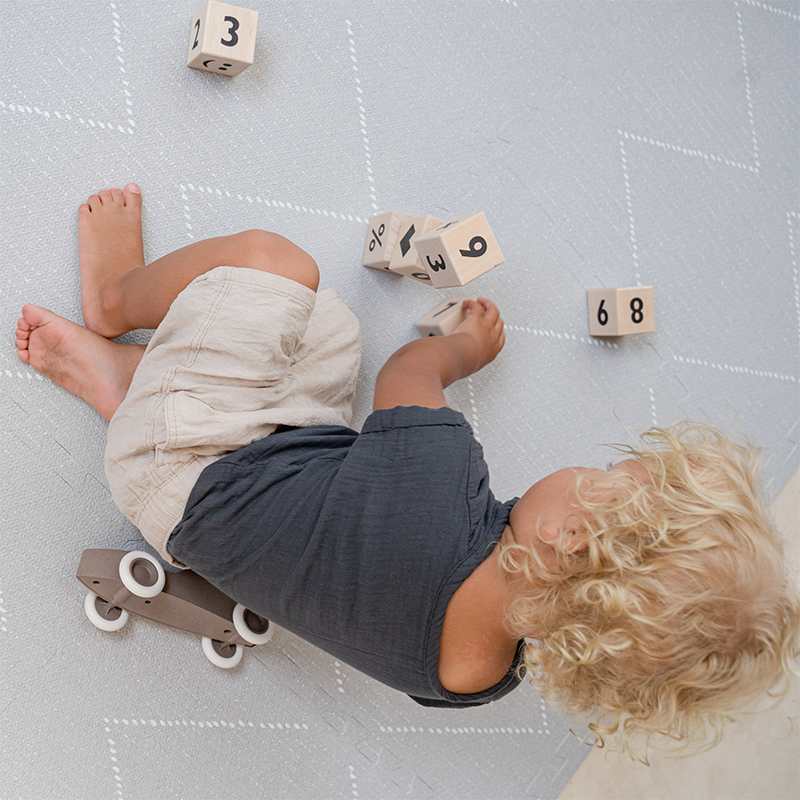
484,325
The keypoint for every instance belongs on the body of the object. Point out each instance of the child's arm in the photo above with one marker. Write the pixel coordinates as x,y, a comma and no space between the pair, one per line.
419,372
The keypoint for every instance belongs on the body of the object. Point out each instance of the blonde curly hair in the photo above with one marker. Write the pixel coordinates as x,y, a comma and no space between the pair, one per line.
678,611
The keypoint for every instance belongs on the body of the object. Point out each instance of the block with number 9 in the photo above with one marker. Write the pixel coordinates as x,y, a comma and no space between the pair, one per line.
459,251
222,39
618,312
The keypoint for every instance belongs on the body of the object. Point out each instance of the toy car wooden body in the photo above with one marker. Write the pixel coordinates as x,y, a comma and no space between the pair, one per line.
120,582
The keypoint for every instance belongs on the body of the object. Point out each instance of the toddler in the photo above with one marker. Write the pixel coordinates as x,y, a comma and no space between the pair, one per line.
651,595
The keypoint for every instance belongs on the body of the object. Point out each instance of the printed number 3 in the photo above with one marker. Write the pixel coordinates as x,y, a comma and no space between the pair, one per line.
232,31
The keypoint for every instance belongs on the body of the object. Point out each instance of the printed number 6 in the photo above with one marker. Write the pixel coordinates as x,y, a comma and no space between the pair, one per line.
232,31
602,314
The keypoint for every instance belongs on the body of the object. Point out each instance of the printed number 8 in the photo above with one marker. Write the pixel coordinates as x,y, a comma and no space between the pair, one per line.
637,304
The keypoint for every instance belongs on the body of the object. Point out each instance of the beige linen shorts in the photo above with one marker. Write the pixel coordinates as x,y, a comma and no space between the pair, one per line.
239,352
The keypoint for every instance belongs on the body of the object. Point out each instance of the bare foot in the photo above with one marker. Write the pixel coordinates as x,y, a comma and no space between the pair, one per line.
83,362
110,245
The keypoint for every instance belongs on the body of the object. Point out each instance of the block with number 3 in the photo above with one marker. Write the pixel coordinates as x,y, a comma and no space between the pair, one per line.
222,39
459,251
444,319
618,312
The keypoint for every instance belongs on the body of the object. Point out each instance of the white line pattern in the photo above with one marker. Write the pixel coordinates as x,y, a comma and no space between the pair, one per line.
362,116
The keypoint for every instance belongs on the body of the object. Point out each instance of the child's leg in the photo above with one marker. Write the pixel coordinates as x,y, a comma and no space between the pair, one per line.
97,370
119,293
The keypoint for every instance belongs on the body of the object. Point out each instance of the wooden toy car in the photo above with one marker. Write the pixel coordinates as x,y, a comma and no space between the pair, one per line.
120,582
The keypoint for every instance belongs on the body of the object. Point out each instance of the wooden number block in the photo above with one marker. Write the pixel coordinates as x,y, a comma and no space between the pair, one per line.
617,312
459,251
444,319
405,260
222,38
382,238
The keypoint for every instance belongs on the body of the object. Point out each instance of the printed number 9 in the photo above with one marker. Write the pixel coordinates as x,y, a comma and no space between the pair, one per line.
602,314
477,247
232,31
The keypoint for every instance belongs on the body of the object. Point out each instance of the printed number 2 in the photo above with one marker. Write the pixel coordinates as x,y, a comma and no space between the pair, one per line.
196,33
232,31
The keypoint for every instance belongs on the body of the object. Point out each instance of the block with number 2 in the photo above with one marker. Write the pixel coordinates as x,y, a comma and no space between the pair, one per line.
222,39
618,312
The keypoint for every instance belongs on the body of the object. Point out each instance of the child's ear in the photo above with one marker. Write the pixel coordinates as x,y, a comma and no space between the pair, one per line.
578,539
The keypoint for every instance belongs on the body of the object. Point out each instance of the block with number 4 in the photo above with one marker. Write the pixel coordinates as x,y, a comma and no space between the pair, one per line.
617,312
405,259
459,251
444,319
222,38
382,238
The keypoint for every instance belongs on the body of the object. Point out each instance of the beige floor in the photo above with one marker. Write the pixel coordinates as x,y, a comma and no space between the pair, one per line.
759,758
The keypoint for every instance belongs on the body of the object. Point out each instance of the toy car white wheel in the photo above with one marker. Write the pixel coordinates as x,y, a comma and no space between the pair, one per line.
252,627
221,654
141,574
103,615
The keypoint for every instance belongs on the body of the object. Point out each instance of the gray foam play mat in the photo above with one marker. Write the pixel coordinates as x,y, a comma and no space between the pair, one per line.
609,145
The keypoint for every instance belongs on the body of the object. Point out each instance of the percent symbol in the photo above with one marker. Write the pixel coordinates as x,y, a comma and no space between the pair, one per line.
376,236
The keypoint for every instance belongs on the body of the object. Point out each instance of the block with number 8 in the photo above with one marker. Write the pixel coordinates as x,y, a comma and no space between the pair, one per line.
222,39
459,251
618,312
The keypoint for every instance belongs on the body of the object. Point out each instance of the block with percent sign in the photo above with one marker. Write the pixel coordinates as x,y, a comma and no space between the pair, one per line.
405,260
382,238
459,251
444,319
617,312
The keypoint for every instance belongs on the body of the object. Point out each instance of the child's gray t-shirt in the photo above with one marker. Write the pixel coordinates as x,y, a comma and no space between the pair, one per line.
355,542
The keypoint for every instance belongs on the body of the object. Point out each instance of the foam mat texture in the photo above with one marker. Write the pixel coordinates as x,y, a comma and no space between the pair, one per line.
609,144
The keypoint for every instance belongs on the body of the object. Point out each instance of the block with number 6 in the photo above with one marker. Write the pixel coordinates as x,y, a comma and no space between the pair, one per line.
222,39
444,319
459,251
618,312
